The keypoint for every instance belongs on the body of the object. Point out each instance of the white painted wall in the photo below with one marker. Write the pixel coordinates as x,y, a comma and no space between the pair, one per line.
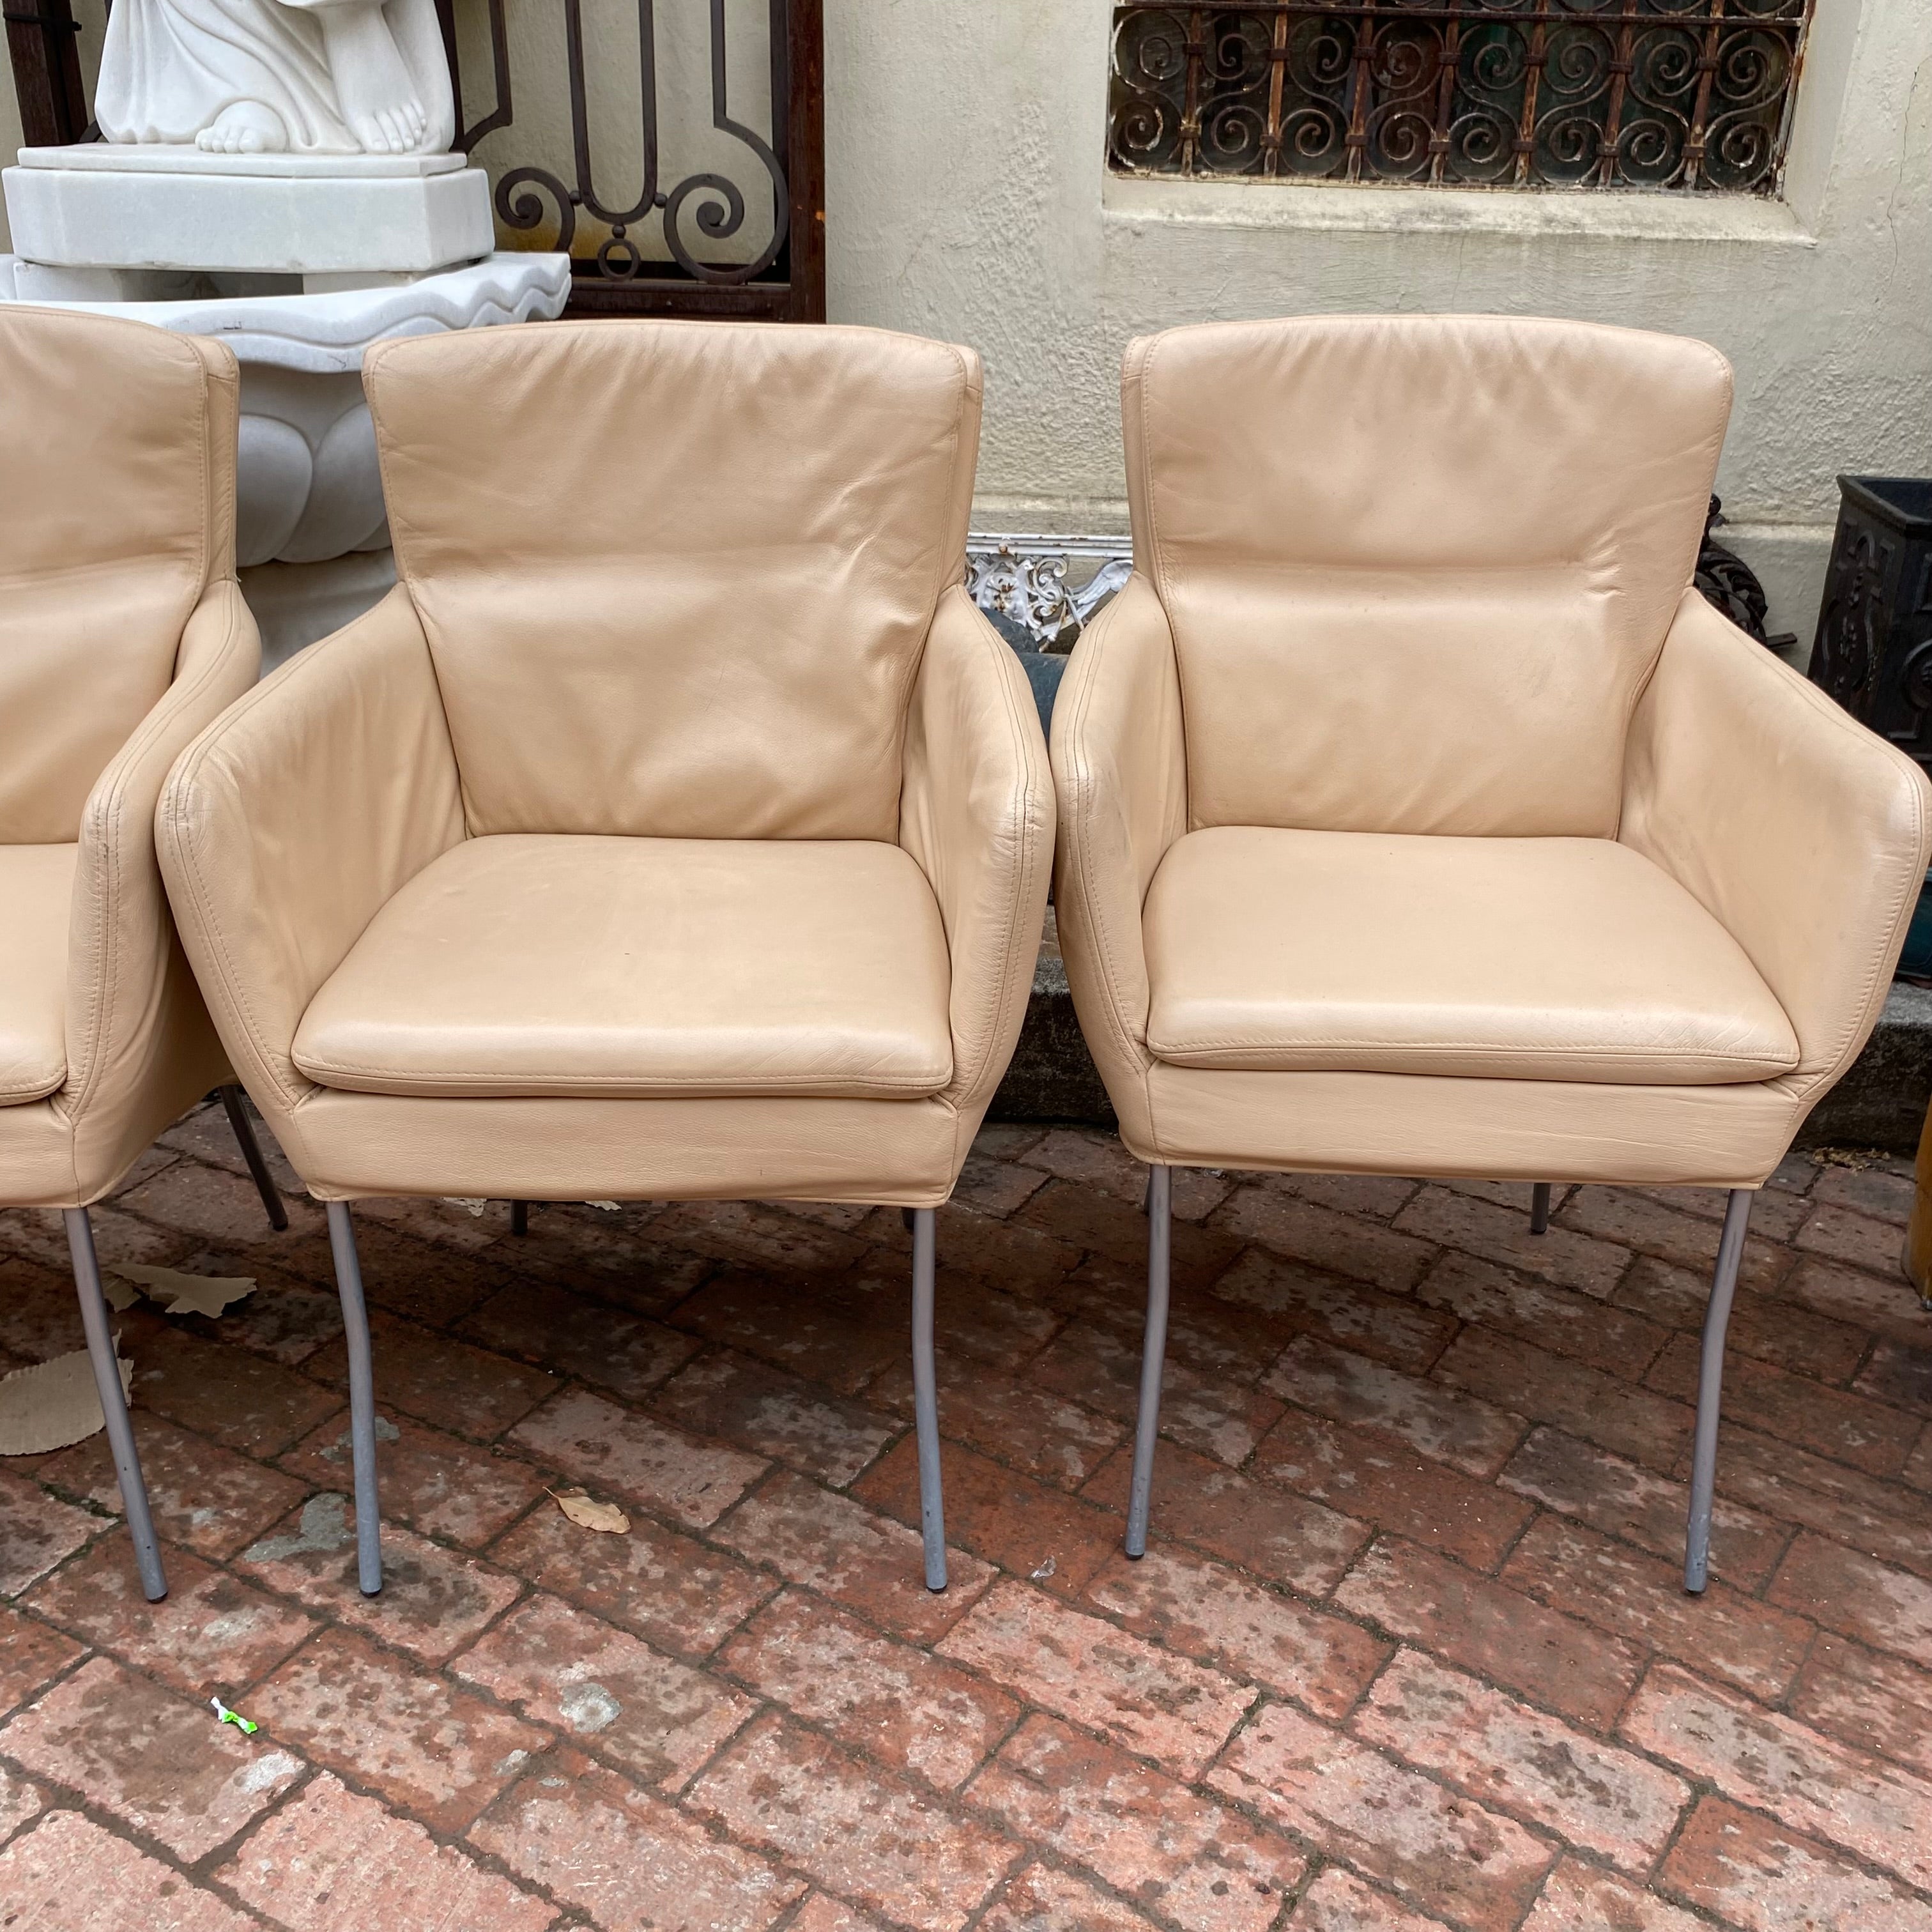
967,197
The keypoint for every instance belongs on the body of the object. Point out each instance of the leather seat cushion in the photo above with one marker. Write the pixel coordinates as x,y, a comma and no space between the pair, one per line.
36,889
571,966
1512,958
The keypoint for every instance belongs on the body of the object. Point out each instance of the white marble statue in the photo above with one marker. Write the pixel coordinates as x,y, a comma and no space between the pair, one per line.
275,76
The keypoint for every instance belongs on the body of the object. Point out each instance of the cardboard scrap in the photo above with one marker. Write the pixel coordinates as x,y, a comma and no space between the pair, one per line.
186,1294
53,1403
606,1518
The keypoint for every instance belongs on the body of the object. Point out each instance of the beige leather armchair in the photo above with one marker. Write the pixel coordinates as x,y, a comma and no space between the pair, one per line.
1417,817
676,828
121,635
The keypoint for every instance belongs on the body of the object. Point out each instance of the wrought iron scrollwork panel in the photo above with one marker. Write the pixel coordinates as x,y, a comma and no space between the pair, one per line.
1024,578
643,220
1689,94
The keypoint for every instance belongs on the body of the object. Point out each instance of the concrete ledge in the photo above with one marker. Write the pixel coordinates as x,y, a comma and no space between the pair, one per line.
1385,208
1880,1102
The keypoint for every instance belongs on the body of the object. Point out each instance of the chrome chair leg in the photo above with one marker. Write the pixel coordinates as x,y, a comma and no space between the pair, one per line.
251,1152
361,1398
114,1403
1710,1390
1147,1426
926,1397
1539,1208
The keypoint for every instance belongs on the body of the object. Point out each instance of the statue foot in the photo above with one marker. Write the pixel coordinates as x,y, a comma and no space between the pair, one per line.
244,128
377,97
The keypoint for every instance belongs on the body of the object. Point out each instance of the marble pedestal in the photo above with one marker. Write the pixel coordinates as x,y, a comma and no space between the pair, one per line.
112,205
311,536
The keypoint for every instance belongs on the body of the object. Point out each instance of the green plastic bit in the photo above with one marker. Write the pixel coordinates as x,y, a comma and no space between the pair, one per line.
228,1717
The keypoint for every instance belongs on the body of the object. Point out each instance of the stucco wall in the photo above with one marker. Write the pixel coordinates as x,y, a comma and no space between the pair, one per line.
967,197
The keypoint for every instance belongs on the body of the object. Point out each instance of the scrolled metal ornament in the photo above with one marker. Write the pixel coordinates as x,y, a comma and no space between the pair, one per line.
1685,95
1022,578
524,211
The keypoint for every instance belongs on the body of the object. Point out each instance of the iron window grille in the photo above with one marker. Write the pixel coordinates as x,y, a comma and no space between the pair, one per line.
1686,95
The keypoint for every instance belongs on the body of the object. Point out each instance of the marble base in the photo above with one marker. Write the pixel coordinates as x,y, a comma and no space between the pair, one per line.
107,206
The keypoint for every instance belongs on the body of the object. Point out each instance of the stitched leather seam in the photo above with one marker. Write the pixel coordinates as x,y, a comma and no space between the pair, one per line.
1085,789
1714,447
1160,584
181,837
539,1087
21,1097
909,677
176,699
1822,708
104,920
1499,1050
1018,828
1863,1015
1863,1012
407,577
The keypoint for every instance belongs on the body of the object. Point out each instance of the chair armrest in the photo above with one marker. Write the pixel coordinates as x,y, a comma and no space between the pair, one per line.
288,824
1804,835
123,964
976,811
1120,762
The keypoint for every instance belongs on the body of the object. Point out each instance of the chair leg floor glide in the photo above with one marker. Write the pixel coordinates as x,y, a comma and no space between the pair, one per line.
251,1152
114,1403
1710,1390
361,1398
1147,1426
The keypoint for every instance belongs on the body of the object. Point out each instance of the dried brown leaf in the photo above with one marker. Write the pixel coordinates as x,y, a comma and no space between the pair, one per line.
606,1518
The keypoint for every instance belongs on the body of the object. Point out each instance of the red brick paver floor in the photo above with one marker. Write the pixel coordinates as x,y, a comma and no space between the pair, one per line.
1407,1650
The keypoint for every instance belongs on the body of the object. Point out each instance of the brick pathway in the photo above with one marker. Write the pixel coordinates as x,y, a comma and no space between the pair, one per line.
1408,1649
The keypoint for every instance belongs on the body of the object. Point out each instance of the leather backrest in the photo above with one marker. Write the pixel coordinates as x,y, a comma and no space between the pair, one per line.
117,496
1418,568
675,577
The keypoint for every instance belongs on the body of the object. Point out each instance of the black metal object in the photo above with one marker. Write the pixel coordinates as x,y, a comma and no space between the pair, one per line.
1873,649
243,1129
1732,585
1687,95
785,282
